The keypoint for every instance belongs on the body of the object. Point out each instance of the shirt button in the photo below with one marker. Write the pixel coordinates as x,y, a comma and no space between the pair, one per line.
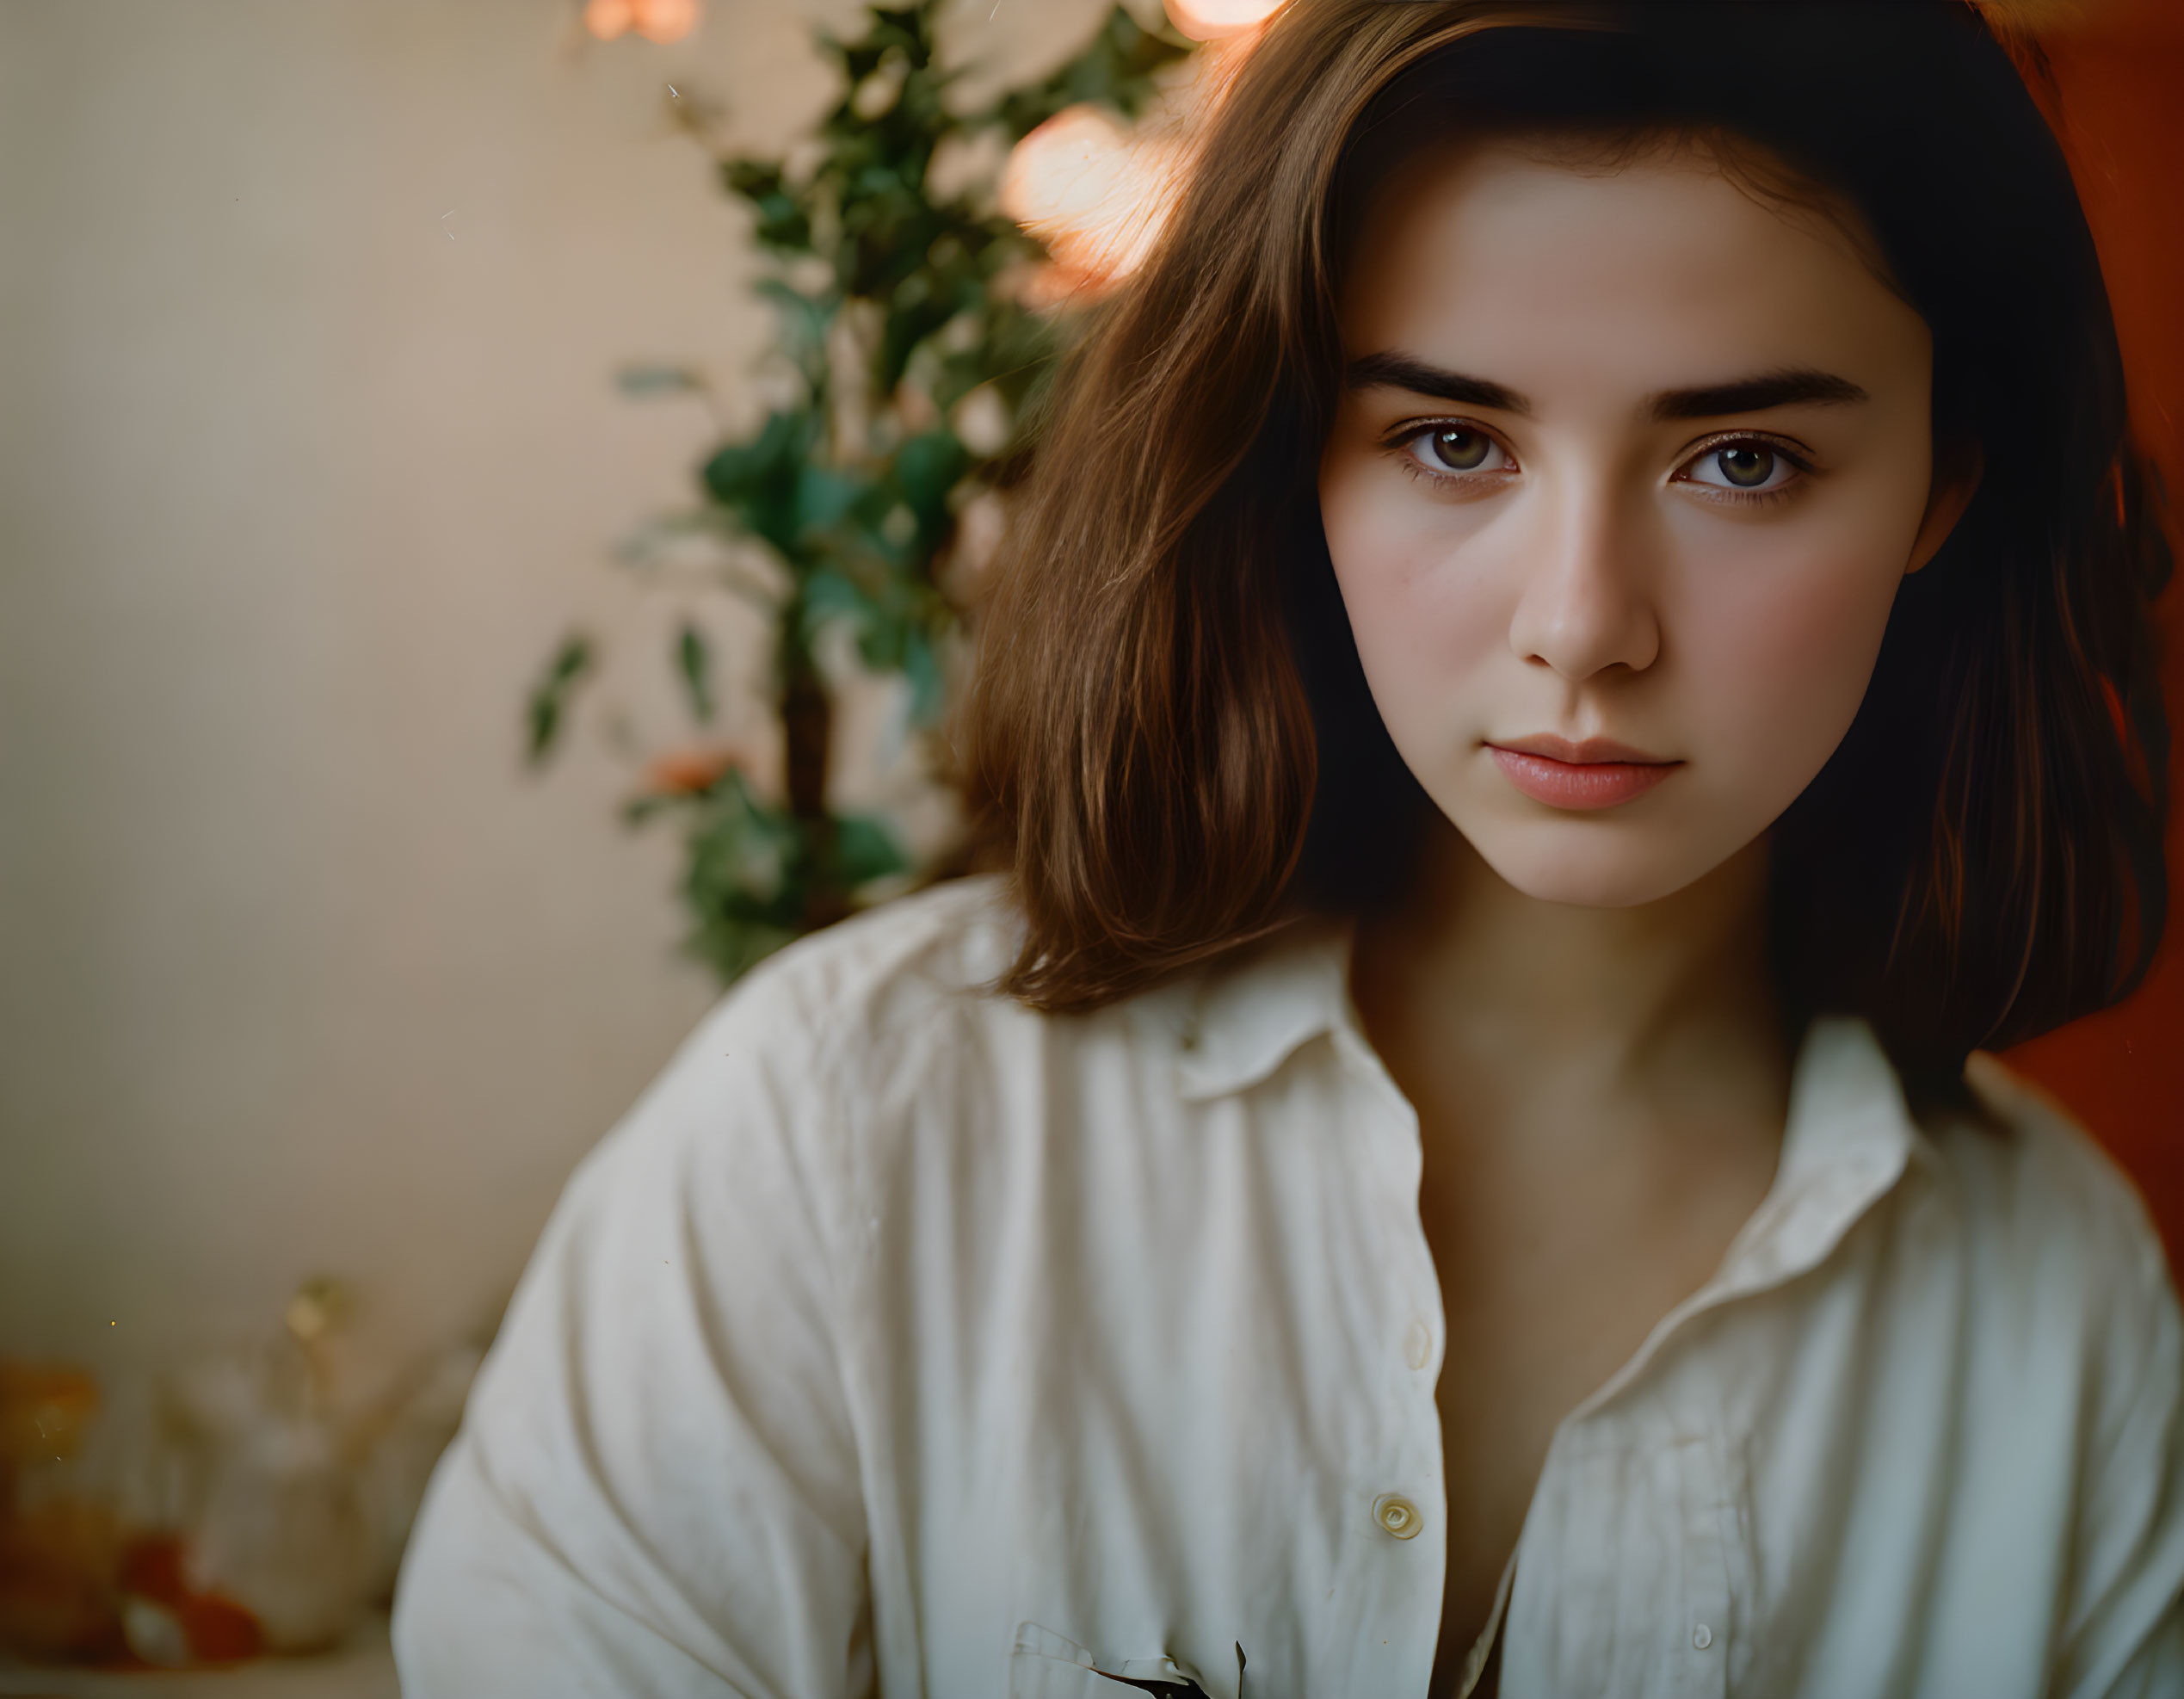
1417,1345
1702,1637
1398,1515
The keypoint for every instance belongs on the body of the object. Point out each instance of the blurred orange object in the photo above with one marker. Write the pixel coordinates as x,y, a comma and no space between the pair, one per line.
191,1627
1099,195
57,1565
1216,19
1094,194
218,1630
57,1558
43,1413
660,21
152,1567
71,1588
689,772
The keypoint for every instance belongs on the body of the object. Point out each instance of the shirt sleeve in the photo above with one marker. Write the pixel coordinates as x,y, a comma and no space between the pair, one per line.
2125,1637
655,1492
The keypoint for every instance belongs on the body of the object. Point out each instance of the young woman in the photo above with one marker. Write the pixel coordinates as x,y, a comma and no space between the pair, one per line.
1576,644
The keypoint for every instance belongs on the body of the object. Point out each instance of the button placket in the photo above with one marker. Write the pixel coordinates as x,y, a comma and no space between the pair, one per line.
1405,1444
1699,1463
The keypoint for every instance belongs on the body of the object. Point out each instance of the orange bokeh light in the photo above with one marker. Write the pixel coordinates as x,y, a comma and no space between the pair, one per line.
1094,193
1217,20
660,21
1099,195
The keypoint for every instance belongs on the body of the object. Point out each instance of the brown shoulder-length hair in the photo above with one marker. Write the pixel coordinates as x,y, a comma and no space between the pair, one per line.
1168,737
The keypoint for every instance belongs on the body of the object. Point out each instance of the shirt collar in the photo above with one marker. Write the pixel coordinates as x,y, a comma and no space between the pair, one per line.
1846,1143
1847,1140
1849,1137
1233,1025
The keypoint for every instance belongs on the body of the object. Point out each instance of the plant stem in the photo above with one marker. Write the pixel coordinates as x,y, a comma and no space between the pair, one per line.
806,711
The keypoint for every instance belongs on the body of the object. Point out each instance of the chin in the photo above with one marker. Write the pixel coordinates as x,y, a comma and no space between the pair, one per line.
1603,870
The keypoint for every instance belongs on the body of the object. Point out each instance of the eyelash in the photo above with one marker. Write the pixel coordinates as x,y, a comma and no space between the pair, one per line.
1406,436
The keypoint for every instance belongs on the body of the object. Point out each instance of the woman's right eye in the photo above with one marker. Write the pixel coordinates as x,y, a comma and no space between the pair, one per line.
1458,448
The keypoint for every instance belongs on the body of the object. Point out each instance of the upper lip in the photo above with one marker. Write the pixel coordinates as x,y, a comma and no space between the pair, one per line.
1592,752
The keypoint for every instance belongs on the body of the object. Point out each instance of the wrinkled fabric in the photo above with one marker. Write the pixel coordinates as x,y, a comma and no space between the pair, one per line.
904,1340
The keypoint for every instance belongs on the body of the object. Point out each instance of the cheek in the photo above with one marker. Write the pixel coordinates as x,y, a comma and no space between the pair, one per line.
1776,659
1419,626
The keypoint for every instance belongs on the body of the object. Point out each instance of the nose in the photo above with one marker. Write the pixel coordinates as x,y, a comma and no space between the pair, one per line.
1586,605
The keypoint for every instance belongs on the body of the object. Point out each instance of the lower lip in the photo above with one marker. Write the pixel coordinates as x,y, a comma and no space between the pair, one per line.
1580,785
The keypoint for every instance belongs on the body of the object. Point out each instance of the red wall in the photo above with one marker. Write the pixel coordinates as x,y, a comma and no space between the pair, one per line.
2120,113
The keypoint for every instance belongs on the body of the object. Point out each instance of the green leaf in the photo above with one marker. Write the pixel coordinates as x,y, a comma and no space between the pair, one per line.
732,945
739,469
805,319
746,878
929,467
824,495
921,664
784,219
828,595
1115,68
551,695
760,480
865,850
856,535
694,659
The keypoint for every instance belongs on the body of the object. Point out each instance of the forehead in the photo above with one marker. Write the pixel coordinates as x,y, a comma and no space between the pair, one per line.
1659,269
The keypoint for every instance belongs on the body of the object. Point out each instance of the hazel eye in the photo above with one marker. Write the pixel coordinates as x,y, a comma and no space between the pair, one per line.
1745,465
1456,448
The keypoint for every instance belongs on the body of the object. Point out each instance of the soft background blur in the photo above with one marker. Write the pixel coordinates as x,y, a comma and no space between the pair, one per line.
2118,102
309,450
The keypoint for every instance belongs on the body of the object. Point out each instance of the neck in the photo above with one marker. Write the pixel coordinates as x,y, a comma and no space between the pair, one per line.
1473,975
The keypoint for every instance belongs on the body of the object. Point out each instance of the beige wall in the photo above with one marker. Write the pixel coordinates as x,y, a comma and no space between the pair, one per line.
299,971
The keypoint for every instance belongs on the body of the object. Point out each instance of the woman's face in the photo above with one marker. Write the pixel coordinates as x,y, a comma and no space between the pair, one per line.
1626,472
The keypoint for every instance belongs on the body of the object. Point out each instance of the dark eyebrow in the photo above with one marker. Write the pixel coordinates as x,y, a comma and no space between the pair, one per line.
1797,387
1406,371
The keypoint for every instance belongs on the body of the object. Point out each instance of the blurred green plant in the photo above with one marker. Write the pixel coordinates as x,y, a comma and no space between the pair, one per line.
896,301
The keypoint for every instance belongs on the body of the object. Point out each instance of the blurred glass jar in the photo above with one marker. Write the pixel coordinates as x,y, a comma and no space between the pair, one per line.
275,1520
58,1547
282,1533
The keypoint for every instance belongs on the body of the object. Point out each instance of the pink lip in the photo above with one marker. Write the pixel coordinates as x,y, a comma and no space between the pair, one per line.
1595,774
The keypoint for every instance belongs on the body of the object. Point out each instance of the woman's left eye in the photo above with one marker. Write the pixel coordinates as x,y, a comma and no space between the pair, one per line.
1746,465
1457,448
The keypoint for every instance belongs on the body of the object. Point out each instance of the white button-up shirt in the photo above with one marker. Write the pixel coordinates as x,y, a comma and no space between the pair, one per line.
904,1340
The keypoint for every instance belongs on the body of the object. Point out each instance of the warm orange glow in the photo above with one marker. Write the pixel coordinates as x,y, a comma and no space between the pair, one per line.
1094,193
689,772
660,21
1099,195
608,18
1218,20
666,20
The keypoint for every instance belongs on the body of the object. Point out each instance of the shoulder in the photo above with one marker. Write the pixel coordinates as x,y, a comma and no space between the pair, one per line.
786,1065
896,1001
2074,1293
831,998
741,1170
945,947
2052,1226
2040,1180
